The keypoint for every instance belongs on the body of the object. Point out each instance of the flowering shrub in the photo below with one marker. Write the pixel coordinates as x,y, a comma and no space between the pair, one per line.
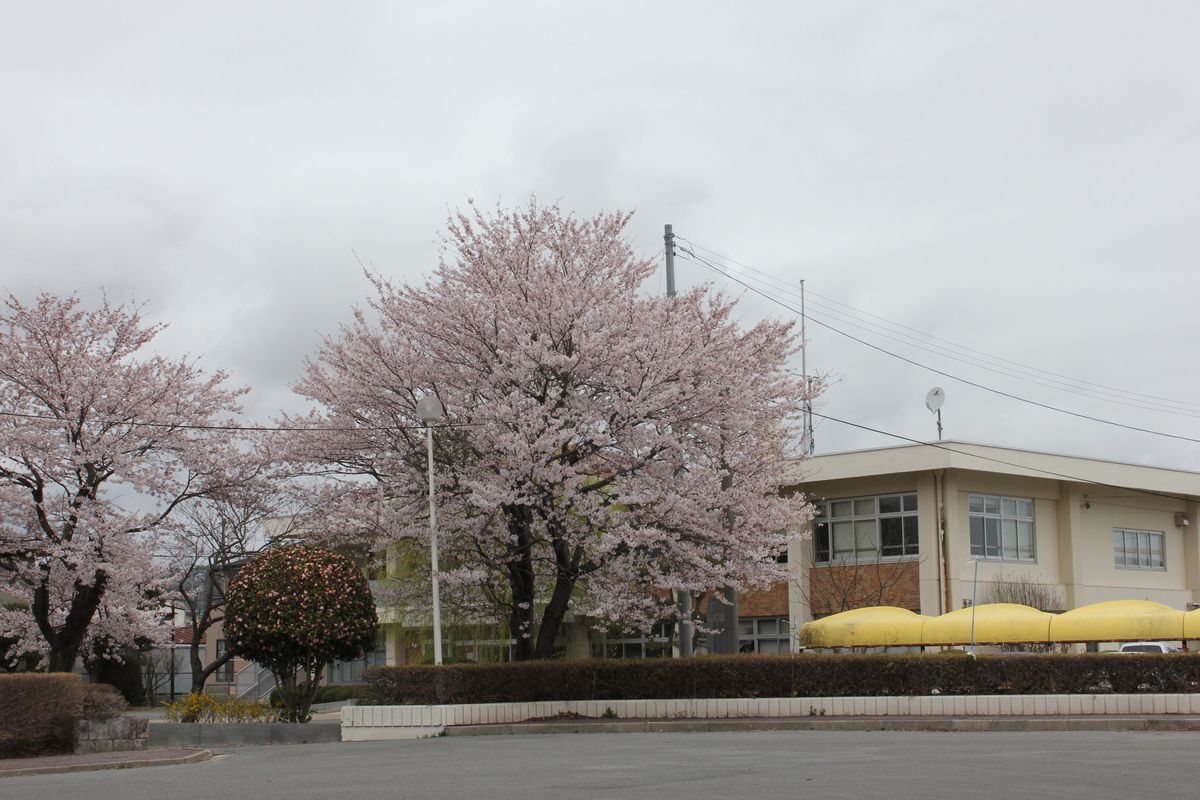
193,708
203,708
296,609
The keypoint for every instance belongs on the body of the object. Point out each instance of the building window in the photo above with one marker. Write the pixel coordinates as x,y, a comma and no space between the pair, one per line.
1138,549
763,635
224,673
1001,527
866,529
634,644
352,671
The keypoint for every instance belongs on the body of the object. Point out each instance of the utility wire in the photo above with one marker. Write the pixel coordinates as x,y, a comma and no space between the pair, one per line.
1066,378
702,262
253,428
974,361
949,449
974,357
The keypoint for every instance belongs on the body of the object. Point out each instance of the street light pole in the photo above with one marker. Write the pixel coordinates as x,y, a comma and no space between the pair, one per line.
974,589
429,409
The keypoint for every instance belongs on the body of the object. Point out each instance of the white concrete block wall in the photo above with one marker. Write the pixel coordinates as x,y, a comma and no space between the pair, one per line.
360,723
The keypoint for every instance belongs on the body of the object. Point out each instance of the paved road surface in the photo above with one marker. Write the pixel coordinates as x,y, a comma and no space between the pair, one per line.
792,764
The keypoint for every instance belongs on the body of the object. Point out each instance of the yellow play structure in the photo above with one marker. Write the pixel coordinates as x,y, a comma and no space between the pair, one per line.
1003,623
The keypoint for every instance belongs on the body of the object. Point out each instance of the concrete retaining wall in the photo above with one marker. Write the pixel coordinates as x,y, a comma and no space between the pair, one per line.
184,734
363,723
112,735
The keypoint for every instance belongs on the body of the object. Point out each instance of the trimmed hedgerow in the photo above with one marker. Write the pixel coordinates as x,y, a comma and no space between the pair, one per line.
785,676
39,713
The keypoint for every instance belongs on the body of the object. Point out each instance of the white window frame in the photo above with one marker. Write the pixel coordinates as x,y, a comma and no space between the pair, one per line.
752,635
1140,536
865,522
223,673
1005,516
635,644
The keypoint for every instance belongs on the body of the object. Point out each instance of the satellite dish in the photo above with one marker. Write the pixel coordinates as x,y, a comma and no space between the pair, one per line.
934,399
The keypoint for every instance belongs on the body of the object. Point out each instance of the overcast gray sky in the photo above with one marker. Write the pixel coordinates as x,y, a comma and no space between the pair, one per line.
1017,178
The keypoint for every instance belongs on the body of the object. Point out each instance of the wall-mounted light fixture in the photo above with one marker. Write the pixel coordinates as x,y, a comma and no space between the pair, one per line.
1181,520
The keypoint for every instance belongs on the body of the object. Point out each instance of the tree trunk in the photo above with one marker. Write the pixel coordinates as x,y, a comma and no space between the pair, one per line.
199,676
62,659
520,579
295,693
566,573
552,618
65,642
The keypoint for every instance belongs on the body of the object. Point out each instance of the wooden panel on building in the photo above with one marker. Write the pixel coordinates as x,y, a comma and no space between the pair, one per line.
842,587
772,602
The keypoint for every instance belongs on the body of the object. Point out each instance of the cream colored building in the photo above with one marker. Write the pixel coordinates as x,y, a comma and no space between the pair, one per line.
910,525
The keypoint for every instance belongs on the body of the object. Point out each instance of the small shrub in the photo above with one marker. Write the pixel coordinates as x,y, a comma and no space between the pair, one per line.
339,694
328,694
39,713
190,708
102,701
205,708
124,674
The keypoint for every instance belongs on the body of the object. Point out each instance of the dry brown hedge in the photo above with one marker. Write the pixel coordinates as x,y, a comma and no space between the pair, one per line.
784,676
39,713
102,701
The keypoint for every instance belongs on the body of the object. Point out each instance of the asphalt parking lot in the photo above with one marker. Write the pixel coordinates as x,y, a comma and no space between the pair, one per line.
808,764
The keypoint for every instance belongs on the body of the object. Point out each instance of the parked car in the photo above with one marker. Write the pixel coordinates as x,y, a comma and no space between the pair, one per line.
1148,647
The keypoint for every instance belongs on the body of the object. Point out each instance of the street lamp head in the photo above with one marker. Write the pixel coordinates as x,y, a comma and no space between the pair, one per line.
429,409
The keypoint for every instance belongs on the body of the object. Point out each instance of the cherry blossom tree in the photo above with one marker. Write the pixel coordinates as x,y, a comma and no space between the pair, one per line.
99,445
602,449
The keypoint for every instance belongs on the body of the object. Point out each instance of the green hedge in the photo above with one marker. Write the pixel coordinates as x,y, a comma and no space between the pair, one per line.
784,676
329,694
39,713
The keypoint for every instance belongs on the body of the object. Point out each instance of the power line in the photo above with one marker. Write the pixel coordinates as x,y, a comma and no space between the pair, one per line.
255,428
949,449
978,358
702,262
1018,372
973,361
1066,378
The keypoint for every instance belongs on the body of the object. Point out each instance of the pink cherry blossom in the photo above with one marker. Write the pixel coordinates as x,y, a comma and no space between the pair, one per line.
95,456
603,448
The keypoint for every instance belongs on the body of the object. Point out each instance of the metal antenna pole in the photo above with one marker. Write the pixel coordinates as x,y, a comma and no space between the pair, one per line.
669,241
806,441
686,633
939,413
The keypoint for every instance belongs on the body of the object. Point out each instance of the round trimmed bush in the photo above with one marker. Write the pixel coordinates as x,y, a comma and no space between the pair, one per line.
296,609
